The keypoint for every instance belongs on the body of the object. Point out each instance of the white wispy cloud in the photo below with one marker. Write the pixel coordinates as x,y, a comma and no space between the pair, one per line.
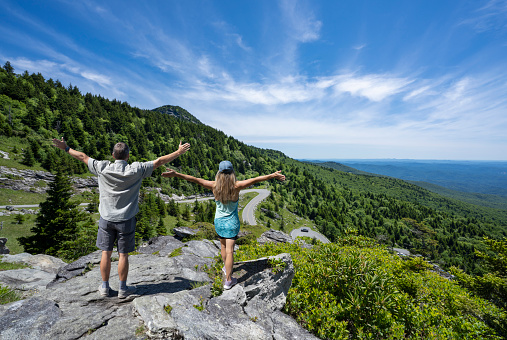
98,78
300,20
491,16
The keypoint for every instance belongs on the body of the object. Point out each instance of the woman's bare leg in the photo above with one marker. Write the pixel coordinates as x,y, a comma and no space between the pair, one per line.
227,252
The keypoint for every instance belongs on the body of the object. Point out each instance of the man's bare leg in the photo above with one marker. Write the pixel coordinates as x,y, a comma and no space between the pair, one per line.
105,265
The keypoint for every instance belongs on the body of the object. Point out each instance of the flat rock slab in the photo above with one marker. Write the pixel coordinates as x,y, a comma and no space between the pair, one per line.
26,279
46,263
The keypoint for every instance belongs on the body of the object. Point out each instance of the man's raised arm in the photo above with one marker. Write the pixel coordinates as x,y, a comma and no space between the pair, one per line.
80,156
167,158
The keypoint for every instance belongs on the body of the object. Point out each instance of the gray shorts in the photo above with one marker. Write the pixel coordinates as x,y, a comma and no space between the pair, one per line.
124,232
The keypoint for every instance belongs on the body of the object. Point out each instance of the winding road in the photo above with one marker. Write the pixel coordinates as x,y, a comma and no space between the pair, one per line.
310,233
248,211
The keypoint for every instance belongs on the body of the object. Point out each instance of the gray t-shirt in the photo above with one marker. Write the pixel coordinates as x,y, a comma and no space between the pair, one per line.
119,185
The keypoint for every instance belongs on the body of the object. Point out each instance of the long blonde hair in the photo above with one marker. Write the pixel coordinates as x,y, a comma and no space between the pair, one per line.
225,187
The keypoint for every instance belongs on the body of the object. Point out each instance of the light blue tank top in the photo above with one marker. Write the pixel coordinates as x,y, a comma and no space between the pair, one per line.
226,209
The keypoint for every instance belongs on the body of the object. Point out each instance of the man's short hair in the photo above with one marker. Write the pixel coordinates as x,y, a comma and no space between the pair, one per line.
121,151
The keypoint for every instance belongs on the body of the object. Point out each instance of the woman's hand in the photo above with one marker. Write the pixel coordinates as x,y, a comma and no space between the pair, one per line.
169,173
279,176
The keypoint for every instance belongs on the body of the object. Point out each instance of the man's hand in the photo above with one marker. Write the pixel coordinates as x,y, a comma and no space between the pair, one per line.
60,144
183,148
169,173
168,158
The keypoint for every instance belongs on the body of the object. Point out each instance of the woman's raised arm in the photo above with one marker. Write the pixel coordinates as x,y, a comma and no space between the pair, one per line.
240,185
202,182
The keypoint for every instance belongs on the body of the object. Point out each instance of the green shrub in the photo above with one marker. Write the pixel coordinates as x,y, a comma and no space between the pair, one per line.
358,290
247,239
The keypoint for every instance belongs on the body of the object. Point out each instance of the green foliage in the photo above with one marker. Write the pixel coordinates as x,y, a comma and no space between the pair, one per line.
172,208
206,231
81,243
60,226
168,309
149,222
357,289
247,239
216,275
200,307
28,157
20,218
492,286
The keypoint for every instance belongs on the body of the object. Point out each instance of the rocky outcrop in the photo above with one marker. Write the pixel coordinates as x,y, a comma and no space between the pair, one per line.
173,299
182,232
37,181
3,246
274,236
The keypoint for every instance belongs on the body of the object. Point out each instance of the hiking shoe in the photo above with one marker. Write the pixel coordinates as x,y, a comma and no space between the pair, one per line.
223,269
123,293
103,291
229,284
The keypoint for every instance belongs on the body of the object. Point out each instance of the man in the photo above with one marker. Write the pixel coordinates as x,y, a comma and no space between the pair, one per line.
119,185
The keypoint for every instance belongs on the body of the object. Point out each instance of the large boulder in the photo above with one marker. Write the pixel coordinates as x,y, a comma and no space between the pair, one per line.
182,232
274,236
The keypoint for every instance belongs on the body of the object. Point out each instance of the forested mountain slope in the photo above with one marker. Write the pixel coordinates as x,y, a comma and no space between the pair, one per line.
33,110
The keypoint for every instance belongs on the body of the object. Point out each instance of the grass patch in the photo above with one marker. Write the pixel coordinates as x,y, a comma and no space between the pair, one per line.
140,330
197,284
12,230
200,306
8,295
176,252
12,266
15,197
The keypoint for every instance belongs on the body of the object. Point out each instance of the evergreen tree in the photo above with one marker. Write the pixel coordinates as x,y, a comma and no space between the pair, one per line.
80,243
57,220
186,213
172,208
161,229
28,157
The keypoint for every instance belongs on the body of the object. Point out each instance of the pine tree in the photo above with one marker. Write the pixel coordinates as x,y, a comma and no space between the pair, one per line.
57,221
172,208
161,229
28,157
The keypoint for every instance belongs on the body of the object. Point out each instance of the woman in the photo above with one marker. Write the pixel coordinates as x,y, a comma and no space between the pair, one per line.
226,191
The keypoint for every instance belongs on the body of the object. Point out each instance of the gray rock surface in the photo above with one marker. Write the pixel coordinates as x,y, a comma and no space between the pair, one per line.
274,236
43,262
182,232
3,246
166,304
27,180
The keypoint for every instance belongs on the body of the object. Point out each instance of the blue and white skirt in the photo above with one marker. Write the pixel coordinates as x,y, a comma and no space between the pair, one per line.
227,226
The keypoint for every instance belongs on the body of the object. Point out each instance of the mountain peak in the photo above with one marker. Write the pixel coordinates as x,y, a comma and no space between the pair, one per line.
177,112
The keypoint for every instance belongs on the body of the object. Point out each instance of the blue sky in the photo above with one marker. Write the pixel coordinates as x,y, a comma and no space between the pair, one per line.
314,79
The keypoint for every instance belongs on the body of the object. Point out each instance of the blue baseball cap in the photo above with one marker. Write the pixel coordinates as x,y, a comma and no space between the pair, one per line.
225,167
